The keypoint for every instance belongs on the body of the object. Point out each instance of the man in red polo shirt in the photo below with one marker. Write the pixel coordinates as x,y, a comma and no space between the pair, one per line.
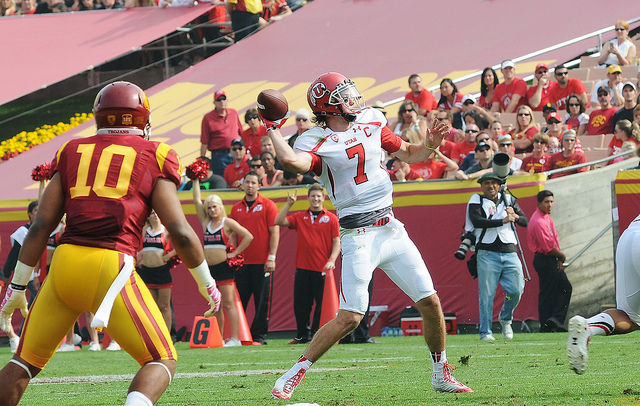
318,247
510,94
538,93
235,171
565,87
421,96
257,214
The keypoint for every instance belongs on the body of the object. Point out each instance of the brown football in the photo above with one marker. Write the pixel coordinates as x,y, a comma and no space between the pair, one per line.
272,104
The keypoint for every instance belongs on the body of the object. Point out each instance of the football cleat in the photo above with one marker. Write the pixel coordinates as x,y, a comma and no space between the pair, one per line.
113,346
64,347
290,380
443,381
577,350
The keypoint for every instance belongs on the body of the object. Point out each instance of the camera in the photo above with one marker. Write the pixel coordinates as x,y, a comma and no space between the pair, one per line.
468,239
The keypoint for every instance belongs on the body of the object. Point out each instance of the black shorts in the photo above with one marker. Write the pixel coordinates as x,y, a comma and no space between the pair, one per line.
160,275
222,272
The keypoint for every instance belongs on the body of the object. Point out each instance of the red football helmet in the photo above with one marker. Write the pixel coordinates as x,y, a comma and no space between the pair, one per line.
122,105
334,94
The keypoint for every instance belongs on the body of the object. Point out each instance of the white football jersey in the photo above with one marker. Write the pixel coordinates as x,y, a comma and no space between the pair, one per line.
351,168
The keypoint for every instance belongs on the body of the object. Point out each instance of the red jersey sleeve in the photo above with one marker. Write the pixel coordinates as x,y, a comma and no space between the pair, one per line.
390,141
316,164
169,163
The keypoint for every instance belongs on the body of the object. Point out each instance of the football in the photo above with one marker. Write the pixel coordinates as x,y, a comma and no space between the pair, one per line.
272,104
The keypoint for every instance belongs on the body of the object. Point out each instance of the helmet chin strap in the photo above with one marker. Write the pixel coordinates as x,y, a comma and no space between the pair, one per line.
350,117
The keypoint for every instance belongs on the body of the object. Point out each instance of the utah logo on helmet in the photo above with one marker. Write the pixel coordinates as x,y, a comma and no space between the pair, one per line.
334,94
122,105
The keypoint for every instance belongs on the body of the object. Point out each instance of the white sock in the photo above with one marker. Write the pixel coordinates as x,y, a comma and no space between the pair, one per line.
137,399
439,357
601,324
304,362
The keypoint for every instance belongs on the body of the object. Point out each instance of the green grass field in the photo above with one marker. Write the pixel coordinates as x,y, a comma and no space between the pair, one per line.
529,370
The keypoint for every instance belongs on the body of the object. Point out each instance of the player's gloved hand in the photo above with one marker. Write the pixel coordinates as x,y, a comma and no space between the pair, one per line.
274,124
15,298
215,298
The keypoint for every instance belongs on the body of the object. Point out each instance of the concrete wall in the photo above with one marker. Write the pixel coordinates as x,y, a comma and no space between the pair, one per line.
583,204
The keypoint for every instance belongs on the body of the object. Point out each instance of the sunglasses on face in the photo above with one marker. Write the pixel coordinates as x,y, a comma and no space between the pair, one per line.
301,119
542,72
236,149
407,111
483,139
569,140
254,117
562,73
441,118
472,131
552,122
255,166
221,99
538,142
574,104
523,114
619,29
505,144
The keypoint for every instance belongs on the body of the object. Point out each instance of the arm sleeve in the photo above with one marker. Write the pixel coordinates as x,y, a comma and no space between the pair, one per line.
169,163
476,214
316,164
12,259
390,141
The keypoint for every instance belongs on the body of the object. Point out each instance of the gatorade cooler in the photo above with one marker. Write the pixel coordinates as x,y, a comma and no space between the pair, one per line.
378,319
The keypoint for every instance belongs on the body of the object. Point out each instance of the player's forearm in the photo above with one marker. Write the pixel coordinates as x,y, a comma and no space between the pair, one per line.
286,155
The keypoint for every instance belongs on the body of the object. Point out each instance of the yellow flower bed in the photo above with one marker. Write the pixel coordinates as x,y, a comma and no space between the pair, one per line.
28,139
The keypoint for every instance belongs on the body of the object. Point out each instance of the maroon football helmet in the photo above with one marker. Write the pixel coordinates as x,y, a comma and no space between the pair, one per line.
334,94
122,105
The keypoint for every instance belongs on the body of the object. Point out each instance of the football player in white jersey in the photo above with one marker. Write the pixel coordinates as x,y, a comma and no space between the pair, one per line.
625,318
345,150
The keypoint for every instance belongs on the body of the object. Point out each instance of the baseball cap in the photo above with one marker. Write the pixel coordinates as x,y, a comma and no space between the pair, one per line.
218,94
569,134
603,89
554,116
378,105
507,64
613,69
629,84
237,141
468,97
303,113
482,145
490,175
542,66
505,139
549,107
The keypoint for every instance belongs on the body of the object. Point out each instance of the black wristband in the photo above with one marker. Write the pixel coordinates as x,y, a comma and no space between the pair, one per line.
18,287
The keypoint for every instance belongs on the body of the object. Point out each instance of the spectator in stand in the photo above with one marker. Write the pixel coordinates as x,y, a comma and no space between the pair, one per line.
435,167
495,131
455,135
257,214
318,247
576,117
376,105
410,126
538,93
538,160
510,94
487,87
636,114
614,84
484,162
235,171
461,149
625,130
555,289
402,171
212,181
555,126
525,129
470,159
109,5
28,7
505,145
219,127
141,3
601,120
474,114
548,109
272,176
273,10
59,8
629,92
252,136
619,50
568,156
255,164
423,98
565,87
303,122
46,6
293,178
245,17
7,8
267,146
218,228
87,5
451,100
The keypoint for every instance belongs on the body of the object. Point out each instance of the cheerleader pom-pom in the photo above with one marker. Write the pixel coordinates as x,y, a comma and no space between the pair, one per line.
42,172
198,169
236,262
174,261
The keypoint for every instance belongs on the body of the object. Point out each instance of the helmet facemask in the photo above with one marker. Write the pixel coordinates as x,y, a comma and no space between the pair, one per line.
347,97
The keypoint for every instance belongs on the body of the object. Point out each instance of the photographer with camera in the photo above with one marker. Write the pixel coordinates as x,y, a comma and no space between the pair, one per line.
490,215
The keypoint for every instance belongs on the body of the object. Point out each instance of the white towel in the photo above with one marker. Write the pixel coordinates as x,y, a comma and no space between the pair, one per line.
101,318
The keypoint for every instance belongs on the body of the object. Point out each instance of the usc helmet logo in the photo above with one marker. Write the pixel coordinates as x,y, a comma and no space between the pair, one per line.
111,119
127,119
317,91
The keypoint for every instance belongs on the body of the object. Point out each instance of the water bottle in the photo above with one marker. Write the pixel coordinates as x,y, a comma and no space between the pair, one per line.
384,332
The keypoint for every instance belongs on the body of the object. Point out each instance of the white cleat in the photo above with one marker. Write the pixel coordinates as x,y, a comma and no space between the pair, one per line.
290,380
577,346
443,381
95,346
113,346
66,347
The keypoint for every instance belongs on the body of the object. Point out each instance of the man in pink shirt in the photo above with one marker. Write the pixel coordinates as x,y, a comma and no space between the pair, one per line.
555,288
510,94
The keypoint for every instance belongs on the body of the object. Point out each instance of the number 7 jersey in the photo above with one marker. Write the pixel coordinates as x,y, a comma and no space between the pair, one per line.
107,181
349,163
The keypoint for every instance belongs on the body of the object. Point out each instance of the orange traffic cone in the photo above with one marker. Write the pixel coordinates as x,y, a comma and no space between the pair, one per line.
244,332
205,333
330,302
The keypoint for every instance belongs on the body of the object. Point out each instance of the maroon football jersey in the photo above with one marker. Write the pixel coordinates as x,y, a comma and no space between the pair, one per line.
108,180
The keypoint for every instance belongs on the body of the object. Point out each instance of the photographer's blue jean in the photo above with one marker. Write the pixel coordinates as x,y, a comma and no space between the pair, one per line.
505,268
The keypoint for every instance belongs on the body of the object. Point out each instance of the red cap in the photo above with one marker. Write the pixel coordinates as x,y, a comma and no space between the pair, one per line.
219,93
542,65
555,116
